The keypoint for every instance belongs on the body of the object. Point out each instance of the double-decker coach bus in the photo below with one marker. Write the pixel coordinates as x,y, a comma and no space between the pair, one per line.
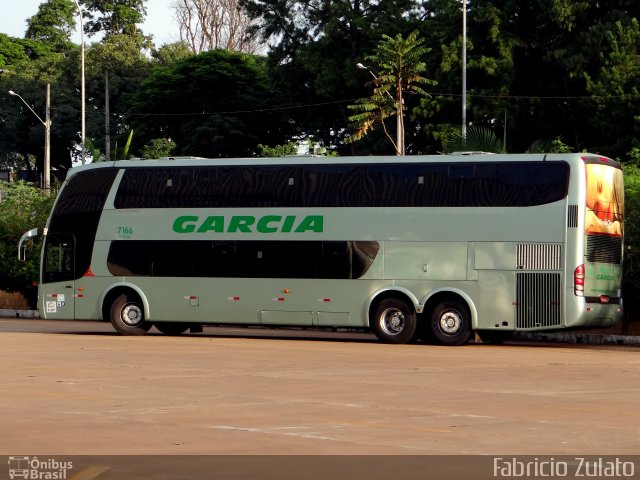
435,247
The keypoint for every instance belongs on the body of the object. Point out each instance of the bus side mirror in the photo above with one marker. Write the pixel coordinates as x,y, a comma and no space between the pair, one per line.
22,247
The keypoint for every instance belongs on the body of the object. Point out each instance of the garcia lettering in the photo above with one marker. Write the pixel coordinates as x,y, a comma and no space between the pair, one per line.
249,224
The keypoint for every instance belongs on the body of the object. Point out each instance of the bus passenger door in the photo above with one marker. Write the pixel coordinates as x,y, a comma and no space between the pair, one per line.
58,285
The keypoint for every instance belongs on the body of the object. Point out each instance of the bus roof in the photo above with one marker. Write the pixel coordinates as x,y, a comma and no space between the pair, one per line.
313,159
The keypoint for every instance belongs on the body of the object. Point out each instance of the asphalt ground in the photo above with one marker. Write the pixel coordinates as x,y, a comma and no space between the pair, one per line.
183,407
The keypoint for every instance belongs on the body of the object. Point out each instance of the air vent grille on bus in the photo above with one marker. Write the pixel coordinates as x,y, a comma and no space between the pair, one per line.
572,216
537,300
539,256
604,248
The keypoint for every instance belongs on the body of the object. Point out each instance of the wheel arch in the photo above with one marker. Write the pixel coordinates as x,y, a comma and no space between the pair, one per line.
111,293
434,297
387,292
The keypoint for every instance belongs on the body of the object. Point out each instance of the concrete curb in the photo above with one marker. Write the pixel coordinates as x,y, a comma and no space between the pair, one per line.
5,312
579,338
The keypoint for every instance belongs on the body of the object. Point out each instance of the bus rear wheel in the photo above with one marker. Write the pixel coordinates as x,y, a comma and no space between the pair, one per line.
394,320
172,328
127,315
450,323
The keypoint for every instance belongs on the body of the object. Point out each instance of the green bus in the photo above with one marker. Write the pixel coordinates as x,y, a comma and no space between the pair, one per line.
430,247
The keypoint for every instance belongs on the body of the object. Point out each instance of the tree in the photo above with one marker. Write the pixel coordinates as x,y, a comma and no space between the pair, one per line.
113,17
15,51
122,57
616,88
531,61
475,139
399,63
483,139
158,147
22,207
215,104
631,270
278,150
53,24
314,46
210,24
527,71
22,135
170,53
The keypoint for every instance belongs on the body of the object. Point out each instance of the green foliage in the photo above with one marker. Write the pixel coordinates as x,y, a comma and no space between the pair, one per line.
22,207
127,146
123,153
170,53
631,271
314,48
16,52
483,139
278,150
53,24
94,151
549,145
22,133
113,17
617,76
122,57
477,139
158,147
215,104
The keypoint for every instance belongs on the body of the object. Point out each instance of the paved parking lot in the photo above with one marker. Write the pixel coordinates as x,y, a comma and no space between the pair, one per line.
77,388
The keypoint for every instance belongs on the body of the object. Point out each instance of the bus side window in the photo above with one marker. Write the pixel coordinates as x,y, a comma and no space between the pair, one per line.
330,186
400,185
58,259
524,185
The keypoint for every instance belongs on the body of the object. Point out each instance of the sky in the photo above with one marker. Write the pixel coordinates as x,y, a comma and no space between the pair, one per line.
160,21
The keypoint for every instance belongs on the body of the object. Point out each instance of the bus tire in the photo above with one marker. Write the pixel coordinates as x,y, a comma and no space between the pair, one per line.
494,337
394,320
450,323
127,315
172,328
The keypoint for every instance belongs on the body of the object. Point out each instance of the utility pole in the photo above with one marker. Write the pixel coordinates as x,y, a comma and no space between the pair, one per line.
82,82
47,141
107,126
464,69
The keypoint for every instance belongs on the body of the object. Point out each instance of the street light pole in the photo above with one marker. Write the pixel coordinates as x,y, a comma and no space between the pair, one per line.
464,69
82,123
47,140
399,123
46,182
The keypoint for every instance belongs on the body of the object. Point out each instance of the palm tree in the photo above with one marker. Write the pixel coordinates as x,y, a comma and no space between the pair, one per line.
482,139
399,66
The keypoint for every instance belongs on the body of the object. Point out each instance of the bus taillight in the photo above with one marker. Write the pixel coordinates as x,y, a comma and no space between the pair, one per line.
578,281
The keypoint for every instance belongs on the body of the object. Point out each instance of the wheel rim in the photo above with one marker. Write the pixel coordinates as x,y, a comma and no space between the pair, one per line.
392,321
131,315
450,322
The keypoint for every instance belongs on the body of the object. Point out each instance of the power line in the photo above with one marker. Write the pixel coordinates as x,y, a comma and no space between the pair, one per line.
337,102
229,112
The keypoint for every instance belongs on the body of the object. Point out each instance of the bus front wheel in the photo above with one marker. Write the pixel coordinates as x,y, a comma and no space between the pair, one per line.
127,315
450,323
394,321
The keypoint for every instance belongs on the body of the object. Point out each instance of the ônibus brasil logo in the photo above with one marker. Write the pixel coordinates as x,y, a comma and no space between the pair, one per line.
249,224
38,469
